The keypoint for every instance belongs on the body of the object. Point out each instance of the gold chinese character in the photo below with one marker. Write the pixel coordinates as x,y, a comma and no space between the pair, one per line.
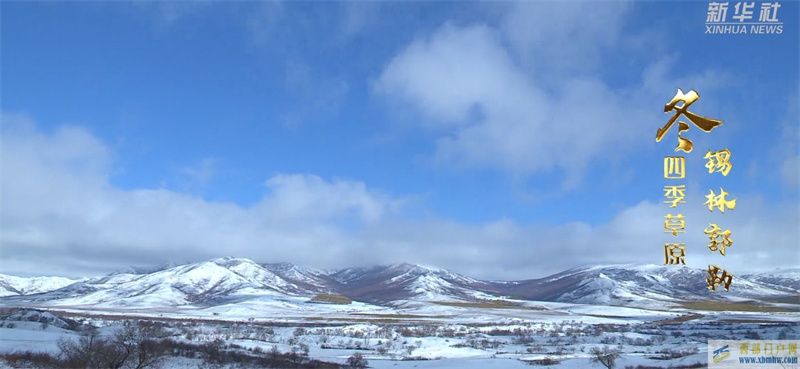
719,201
778,348
674,253
792,348
674,167
719,161
714,234
674,224
743,349
765,348
706,124
755,349
676,194
714,280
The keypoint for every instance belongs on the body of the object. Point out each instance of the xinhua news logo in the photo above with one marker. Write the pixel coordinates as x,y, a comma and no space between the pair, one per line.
746,18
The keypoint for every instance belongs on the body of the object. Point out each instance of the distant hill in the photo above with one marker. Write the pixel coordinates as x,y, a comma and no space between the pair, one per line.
15,286
230,280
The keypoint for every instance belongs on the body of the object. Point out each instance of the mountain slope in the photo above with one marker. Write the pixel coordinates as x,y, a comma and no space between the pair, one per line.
210,282
15,286
231,280
382,284
302,280
628,285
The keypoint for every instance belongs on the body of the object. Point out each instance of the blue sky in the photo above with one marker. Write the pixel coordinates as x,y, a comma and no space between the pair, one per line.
483,137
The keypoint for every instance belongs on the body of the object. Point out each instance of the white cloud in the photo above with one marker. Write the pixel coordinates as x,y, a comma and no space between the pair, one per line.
201,173
172,11
520,127
493,104
166,14
60,215
58,203
564,36
787,150
453,71
309,196
358,17
321,96
790,172
765,237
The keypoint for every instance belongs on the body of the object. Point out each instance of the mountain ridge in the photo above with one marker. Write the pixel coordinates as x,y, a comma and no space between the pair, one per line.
228,279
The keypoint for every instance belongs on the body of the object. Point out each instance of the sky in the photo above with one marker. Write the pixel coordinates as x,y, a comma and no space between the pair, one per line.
501,140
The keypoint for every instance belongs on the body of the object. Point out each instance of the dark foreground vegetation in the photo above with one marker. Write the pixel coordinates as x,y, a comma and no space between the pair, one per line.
143,344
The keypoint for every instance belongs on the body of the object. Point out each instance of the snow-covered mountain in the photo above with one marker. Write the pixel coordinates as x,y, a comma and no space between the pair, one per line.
211,282
382,284
303,279
15,286
231,280
778,278
630,285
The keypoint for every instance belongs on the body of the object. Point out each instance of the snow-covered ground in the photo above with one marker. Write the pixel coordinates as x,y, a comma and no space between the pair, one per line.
433,335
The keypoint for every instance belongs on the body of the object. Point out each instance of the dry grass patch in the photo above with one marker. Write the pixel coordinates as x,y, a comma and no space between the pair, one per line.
783,300
680,319
608,316
735,306
331,298
489,304
400,316
746,321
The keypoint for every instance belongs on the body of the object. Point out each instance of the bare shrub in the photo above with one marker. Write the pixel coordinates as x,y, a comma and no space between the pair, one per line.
357,360
137,344
605,356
